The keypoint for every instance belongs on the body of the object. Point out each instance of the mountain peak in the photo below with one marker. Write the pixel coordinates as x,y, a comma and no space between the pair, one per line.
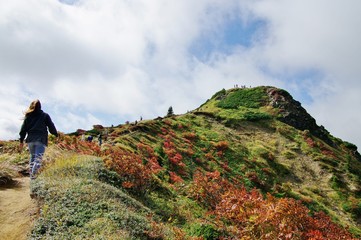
283,107
292,113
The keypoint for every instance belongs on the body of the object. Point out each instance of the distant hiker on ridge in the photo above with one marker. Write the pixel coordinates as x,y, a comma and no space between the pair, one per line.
100,139
35,128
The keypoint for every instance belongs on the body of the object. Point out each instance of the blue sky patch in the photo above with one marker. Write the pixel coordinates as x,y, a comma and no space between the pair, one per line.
238,33
231,34
302,83
68,2
299,84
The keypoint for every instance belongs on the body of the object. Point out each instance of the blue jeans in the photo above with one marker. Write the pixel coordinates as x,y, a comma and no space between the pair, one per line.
37,150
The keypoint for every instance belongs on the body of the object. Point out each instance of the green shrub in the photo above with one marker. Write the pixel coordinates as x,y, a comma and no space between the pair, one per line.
353,206
354,166
255,116
261,152
337,183
74,201
350,146
245,97
204,230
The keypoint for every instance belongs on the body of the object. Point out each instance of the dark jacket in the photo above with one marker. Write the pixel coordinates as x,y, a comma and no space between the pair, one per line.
36,126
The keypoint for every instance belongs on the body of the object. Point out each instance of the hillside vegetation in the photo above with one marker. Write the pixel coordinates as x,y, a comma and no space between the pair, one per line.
250,163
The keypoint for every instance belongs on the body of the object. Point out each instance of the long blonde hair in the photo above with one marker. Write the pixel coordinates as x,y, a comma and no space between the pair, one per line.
34,107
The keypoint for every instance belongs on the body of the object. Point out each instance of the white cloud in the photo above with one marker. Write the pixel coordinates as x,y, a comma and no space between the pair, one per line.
320,36
87,60
338,112
12,110
318,33
69,120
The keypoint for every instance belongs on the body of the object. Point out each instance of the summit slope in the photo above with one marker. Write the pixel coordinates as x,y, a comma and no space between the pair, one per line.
250,162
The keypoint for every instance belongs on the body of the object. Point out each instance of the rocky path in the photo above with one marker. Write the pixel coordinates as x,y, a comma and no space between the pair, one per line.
17,210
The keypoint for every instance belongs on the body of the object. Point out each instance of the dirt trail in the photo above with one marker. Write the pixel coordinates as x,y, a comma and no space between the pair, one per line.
16,210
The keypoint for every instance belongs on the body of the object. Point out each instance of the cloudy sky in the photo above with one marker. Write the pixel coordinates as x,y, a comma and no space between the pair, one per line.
106,62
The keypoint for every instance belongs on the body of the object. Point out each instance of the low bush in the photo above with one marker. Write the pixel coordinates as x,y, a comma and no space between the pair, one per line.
78,204
206,231
246,97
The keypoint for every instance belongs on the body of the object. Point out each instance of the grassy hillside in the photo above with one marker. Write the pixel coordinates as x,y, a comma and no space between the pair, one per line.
248,163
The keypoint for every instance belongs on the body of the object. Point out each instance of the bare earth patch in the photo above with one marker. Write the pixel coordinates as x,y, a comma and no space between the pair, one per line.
16,210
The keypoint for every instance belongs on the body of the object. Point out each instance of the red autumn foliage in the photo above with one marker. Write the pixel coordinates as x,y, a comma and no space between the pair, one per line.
208,188
253,177
267,171
328,153
310,142
174,178
189,136
322,227
225,166
174,157
149,157
82,147
98,127
242,214
221,146
130,168
135,169
220,154
248,215
127,184
80,131
209,156
188,152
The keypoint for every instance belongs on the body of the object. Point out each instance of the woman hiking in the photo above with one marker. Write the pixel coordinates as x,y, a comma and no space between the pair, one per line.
35,128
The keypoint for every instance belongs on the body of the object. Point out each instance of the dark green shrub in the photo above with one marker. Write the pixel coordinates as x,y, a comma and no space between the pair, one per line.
338,183
353,206
255,116
350,146
354,166
245,97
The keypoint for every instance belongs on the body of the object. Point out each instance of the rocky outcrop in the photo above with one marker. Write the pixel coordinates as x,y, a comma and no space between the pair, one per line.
292,113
